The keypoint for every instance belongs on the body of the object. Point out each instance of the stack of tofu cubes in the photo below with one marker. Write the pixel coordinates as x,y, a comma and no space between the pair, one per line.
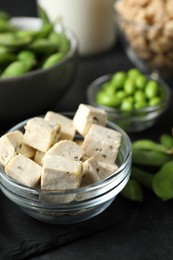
47,155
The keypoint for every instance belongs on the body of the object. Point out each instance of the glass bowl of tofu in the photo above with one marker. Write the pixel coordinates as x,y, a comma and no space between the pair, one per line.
64,168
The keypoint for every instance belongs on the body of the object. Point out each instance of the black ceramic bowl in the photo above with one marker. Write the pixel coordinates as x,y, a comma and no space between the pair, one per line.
35,91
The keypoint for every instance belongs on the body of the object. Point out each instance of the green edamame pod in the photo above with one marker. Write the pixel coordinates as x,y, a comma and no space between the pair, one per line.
27,56
5,26
163,182
64,43
149,145
143,177
43,46
54,38
133,191
4,16
12,40
166,140
149,157
6,58
5,49
45,30
42,14
16,68
53,59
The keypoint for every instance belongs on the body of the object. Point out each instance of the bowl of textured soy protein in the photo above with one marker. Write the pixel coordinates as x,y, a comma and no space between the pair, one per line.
37,65
132,99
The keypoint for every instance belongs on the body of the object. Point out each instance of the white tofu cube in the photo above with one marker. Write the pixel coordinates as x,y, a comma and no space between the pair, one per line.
27,151
41,134
102,143
66,148
38,158
86,116
10,144
60,173
67,129
94,171
24,170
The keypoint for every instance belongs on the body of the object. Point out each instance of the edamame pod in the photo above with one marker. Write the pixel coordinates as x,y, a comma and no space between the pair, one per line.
5,49
12,40
16,68
150,145
163,182
133,191
53,59
4,16
43,46
43,15
45,30
5,26
166,140
143,177
64,43
149,157
27,56
6,58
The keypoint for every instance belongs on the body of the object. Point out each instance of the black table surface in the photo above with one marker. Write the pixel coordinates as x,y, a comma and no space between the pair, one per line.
126,230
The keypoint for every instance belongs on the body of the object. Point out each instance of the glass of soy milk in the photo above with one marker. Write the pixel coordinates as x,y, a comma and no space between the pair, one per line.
91,20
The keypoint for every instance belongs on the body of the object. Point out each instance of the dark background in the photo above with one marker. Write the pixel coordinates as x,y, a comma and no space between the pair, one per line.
126,230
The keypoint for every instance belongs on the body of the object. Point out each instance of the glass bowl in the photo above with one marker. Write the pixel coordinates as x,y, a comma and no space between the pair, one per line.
88,202
147,43
135,120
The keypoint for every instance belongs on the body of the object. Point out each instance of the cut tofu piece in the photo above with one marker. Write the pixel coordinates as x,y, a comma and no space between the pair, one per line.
38,158
24,170
66,148
102,143
10,144
86,116
60,174
94,171
41,134
67,129
27,151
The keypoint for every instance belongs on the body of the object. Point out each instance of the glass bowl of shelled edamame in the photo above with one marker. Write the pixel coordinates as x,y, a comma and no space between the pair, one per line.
132,100
37,66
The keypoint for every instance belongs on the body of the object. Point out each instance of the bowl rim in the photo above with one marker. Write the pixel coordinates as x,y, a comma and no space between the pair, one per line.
92,187
38,22
102,79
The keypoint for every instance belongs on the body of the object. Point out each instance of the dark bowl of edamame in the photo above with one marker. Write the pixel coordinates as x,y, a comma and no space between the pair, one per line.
39,64
132,100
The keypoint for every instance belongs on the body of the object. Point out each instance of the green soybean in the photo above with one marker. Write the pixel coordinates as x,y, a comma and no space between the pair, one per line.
12,40
52,60
133,73
133,191
143,177
64,43
5,26
105,99
16,68
118,79
163,182
28,57
43,15
151,89
149,158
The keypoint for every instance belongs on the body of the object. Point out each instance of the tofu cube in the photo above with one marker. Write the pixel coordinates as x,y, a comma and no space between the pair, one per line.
38,158
102,143
60,174
27,150
67,129
94,171
10,144
66,148
24,170
41,134
86,116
